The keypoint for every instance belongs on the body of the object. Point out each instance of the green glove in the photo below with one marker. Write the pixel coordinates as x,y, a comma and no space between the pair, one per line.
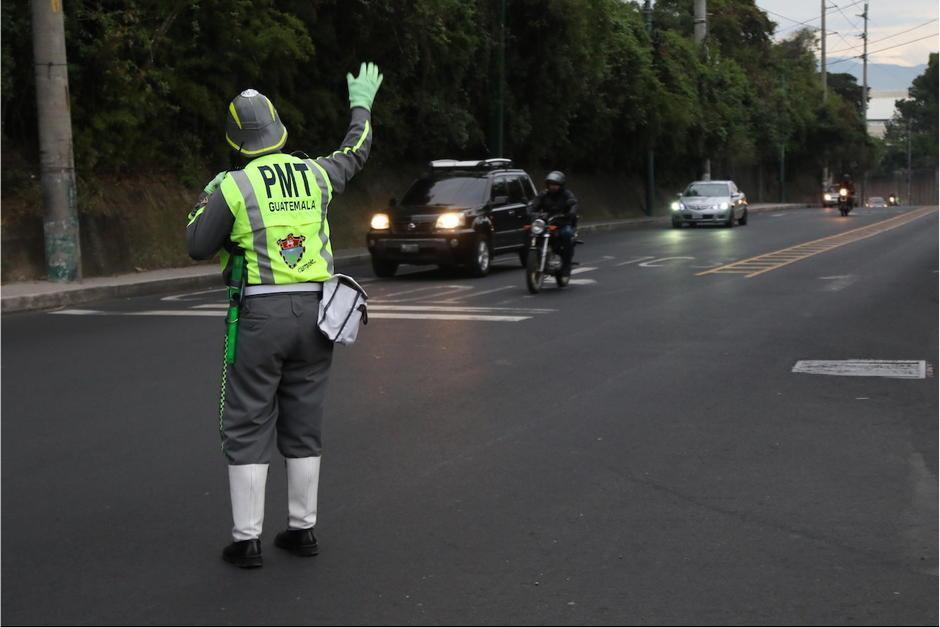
363,87
214,183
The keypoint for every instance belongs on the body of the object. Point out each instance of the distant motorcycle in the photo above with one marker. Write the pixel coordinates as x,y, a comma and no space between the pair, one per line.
543,257
845,201
892,201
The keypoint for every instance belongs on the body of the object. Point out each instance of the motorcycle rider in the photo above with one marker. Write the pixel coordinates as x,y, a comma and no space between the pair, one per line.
850,187
560,203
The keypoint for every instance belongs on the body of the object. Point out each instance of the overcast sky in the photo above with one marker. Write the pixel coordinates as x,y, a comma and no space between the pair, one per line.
886,18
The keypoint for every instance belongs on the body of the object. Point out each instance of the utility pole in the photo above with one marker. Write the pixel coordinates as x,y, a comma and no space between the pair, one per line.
57,164
502,79
864,15
822,41
650,153
700,33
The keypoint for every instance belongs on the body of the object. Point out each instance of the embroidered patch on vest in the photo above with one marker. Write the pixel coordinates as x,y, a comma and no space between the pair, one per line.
292,249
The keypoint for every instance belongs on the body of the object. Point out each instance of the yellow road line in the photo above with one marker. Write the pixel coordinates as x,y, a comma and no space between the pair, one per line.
754,266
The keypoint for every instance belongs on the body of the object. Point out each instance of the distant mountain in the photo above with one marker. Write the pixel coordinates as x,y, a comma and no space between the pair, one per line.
881,76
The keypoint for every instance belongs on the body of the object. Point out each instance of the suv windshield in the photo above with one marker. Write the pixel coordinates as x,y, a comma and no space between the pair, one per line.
707,189
450,191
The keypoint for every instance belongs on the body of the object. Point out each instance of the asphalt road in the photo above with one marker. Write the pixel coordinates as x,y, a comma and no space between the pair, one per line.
632,449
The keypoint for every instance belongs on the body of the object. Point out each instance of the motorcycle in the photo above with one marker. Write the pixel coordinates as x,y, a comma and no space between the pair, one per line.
543,257
892,200
845,202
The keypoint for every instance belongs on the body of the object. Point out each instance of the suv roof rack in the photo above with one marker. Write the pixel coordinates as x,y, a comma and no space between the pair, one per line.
481,164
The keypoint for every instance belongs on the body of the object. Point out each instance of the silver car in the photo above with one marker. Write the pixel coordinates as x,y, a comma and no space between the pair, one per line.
710,202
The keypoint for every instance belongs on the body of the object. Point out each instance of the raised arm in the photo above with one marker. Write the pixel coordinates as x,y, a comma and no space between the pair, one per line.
343,164
346,162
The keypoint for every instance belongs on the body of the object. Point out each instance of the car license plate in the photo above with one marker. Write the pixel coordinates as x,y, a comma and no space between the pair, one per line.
409,248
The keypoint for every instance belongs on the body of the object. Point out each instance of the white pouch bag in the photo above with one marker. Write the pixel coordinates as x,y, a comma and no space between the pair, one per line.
342,308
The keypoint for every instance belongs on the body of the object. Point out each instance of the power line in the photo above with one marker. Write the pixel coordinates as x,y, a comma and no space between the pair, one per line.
889,36
847,19
806,22
906,43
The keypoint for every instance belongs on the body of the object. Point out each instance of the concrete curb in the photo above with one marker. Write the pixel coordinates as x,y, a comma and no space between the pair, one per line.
44,295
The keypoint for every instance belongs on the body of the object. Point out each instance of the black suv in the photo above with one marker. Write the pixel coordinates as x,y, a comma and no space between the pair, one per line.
458,213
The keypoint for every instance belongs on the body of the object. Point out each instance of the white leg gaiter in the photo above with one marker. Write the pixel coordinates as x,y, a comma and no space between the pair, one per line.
303,479
246,486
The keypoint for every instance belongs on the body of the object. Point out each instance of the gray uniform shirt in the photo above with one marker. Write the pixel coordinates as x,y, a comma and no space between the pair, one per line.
209,230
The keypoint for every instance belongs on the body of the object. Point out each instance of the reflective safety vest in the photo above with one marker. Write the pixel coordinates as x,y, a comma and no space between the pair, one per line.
280,202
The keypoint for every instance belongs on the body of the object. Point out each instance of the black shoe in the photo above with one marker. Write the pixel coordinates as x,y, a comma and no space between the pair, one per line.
244,554
298,541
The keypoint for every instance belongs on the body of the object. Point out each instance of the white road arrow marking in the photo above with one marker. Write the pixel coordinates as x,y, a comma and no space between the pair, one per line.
894,369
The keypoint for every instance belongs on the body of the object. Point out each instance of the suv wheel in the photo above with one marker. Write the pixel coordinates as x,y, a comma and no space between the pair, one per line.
383,269
480,262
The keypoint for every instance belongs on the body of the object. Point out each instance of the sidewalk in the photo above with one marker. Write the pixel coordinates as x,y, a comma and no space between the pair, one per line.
33,295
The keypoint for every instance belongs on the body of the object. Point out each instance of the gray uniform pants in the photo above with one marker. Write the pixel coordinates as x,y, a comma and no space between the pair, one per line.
276,387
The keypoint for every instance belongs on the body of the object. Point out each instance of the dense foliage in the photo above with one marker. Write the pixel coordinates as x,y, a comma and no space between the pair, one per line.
587,87
915,120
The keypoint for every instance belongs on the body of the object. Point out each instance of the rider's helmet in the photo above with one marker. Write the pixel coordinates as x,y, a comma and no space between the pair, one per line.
846,177
253,127
556,177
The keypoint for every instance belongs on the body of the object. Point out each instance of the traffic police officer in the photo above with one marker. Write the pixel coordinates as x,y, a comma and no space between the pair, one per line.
274,212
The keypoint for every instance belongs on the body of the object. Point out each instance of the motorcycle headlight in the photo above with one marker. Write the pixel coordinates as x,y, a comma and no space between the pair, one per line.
538,227
449,220
676,206
843,192
379,222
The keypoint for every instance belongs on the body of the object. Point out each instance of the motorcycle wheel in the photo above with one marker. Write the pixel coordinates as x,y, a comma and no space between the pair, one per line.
533,276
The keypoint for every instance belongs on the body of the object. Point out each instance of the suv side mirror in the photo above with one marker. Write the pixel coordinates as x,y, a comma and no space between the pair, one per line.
500,200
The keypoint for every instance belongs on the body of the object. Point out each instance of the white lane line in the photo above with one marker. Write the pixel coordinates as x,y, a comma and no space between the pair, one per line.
475,294
583,269
457,314
431,316
638,259
153,312
777,215
894,369
457,309
582,281
437,291
838,282
437,307
653,263
76,312
176,297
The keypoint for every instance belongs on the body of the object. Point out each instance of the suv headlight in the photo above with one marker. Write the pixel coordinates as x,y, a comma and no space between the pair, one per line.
827,196
538,227
449,220
379,222
676,206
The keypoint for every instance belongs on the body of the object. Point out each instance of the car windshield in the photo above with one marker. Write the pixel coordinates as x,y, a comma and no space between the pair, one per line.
449,191
707,189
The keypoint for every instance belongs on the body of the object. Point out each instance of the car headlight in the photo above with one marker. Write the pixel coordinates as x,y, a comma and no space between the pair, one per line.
724,206
449,220
380,222
676,206
538,227
828,196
